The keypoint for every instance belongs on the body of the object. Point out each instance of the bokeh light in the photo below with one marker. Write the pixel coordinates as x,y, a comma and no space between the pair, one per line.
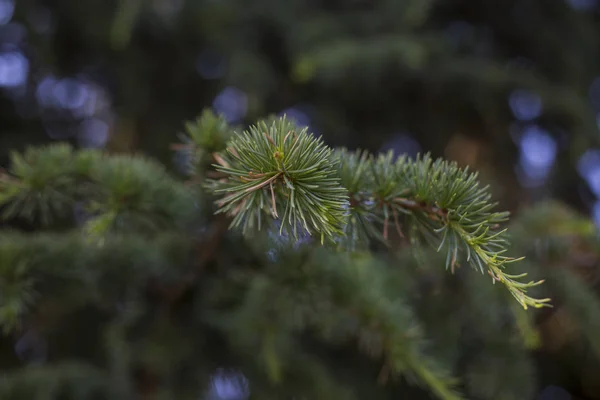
554,393
589,169
525,105
228,385
538,151
14,69
402,143
232,103
7,9
583,5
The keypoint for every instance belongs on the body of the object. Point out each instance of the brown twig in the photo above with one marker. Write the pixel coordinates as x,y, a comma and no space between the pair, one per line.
494,277
262,184
286,136
256,175
220,160
270,139
397,223
433,211
237,208
233,151
453,263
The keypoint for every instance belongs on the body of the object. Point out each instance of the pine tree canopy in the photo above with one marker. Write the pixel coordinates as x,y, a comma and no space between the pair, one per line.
298,317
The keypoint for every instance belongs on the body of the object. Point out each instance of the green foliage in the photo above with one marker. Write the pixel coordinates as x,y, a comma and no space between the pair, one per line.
271,165
279,164
73,270
44,182
444,203
437,69
118,192
209,133
565,252
72,381
341,298
336,321
136,194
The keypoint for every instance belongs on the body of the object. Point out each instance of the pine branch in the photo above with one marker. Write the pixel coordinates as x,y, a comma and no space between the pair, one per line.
344,196
44,182
337,297
118,193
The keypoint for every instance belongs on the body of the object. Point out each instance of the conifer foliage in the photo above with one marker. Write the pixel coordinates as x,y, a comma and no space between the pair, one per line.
118,240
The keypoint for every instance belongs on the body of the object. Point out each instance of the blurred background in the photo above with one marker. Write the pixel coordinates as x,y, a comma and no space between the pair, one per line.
510,88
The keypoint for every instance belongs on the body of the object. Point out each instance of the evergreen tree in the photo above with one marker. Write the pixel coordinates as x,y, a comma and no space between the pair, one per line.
117,280
323,296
